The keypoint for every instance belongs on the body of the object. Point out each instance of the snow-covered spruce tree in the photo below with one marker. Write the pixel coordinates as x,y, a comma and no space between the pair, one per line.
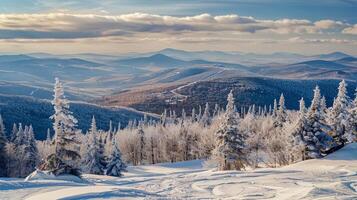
339,115
351,132
30,153
275,108
93,159
193,115
115,165
65,158
205,119
230,142
16,154
3,153
141,135
297,130
281,112
48,137
13,133
324,109
313,135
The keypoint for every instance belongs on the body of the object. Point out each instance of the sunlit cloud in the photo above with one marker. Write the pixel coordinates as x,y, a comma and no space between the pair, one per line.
65,26
351,30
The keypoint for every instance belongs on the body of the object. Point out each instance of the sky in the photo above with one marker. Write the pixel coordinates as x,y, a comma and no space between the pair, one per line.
121,26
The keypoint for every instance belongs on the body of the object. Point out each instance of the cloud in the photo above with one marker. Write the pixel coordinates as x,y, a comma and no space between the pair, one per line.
72,26
321,41
350,30
329,24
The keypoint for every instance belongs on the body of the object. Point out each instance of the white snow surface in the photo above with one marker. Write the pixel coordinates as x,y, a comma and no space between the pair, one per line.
334,177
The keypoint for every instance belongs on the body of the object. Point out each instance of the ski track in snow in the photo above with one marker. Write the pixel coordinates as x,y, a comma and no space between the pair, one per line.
334,177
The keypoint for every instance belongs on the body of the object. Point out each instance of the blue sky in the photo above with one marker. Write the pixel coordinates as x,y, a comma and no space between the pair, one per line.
258,25
343,10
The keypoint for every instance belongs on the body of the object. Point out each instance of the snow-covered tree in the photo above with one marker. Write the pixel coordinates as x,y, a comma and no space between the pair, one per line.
275,108
66,156
3,154
281,112
314,137
93,158
193,115
205,119
302,108
339,115
351,131
115,165
230,142
48,136
30,153
141,136
13,133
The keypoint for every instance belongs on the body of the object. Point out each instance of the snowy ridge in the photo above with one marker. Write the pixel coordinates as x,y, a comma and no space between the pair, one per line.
331,177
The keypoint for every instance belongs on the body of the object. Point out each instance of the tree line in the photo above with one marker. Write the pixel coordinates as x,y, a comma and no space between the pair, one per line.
230,138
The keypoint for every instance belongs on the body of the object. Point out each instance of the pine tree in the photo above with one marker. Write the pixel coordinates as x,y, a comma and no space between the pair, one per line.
302,108
351,132
163,117
199,115
93,161
230,142
339,115
205,119
3,154
298,132
66,156
183,115
13,133
115,165
324,109
110,126
16,155
48,137
280,113
215,110
193,115
313,135
275,108
141,135
30,153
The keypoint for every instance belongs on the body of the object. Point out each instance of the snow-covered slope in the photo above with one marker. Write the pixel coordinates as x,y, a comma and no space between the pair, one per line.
333,177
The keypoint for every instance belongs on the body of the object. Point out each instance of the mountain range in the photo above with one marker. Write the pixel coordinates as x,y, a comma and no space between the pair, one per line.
156,77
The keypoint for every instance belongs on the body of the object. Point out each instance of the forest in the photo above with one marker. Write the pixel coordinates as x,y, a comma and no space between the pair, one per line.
230,138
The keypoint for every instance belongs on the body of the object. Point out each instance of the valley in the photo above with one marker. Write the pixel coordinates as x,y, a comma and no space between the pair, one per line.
168,79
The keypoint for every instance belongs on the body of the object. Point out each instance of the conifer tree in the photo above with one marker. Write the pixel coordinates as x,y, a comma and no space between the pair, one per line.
193,115
230,142
48,137
280,113
351,132
141,135
93,161
3,154
115,165
66,156
275,108
30,153
313,135
339,115
13,133
205,119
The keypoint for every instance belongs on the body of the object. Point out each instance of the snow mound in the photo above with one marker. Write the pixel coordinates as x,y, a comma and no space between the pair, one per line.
45,175
349,152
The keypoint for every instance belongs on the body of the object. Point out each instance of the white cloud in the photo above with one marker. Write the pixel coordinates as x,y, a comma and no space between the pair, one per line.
321,41
329,24
351,30
67,26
